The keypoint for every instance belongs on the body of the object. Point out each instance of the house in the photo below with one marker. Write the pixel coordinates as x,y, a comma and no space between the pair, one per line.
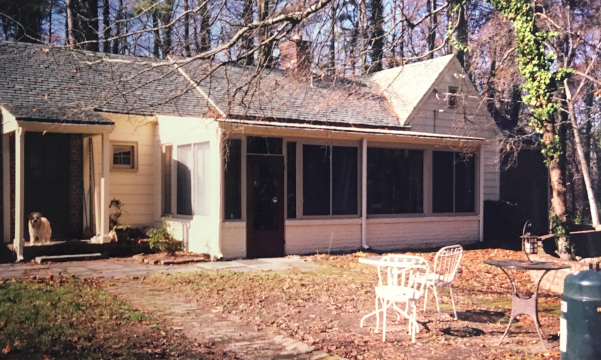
240,162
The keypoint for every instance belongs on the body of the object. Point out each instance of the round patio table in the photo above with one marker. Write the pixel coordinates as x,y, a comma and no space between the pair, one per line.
521,304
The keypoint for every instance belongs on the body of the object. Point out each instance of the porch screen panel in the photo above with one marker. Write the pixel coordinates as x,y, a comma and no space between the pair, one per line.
291,179
344,180
184,180
465,187
316,180
453,184
233,180
395,179
200,181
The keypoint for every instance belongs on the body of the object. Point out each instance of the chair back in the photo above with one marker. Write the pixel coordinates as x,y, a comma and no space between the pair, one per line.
401,270
446,263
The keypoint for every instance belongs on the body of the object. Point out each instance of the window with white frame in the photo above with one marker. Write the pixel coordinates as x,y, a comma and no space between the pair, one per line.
453,182
124,156
192,179
330,180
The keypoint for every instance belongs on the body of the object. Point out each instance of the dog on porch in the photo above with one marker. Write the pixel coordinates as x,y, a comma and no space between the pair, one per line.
39,227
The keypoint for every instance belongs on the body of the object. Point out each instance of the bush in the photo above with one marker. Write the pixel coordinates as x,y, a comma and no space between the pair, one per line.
162,240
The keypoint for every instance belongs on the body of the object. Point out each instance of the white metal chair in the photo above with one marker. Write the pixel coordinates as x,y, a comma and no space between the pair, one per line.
445,267
396,287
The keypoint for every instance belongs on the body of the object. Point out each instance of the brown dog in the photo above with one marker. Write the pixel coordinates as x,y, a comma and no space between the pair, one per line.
39,227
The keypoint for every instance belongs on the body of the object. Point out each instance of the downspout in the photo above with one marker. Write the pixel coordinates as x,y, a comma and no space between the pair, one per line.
6,187
364,194
221,205
481,193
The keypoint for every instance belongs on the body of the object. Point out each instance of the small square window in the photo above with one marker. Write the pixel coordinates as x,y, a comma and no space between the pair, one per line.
452,96
124,156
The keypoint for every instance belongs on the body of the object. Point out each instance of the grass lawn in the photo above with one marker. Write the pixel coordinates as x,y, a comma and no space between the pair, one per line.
73,319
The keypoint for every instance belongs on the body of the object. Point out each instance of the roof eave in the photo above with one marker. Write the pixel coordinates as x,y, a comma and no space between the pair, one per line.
425,138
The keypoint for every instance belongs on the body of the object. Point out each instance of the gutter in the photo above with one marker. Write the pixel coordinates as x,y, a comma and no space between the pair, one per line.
364,194
402,133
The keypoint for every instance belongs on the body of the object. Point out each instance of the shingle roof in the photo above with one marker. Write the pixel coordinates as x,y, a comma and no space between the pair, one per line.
405,86
241,92
50,83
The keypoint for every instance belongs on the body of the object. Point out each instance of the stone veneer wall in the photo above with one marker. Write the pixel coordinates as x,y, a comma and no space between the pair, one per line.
553,281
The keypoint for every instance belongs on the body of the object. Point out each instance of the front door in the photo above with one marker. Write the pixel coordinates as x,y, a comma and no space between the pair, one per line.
265,206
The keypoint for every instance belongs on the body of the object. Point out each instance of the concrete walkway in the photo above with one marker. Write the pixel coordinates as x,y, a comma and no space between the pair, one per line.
225,330
128,268
125,279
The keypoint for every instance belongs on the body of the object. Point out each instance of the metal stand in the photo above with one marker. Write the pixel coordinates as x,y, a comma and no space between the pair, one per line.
523,305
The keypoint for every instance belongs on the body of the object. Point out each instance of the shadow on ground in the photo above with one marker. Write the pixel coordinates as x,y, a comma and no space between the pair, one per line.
480,316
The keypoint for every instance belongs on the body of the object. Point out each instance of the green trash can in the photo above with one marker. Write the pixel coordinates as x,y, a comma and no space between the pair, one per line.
580,323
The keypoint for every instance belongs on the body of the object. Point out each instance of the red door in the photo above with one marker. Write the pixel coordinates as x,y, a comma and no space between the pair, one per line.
265,206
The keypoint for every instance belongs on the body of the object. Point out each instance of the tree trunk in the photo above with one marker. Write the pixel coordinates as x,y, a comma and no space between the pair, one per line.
50,10
431,5
462,38
377,35
70,23
118,27
106,26
581,158
187,52
331,68
156,37
363,26
205,27
247,42
265,55
90,25
165,18
557,168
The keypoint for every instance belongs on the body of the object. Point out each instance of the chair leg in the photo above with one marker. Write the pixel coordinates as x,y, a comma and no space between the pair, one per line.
437,304
377,316
384,321
425,297
453,301
413,322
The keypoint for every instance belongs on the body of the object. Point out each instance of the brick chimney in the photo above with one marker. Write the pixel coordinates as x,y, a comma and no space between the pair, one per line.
295,54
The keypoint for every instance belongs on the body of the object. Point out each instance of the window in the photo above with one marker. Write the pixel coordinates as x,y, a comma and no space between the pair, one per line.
124,156
453,184
452,96
192,179
395,179
232,175
330,180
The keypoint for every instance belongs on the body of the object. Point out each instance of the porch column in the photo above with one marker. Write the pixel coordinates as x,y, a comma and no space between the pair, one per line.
19,190
102,210
364,194
6,187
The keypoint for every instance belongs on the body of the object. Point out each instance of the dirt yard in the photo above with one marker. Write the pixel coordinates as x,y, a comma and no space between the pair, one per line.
323,308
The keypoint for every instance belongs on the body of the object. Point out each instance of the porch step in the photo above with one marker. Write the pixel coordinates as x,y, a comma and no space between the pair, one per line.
74,257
